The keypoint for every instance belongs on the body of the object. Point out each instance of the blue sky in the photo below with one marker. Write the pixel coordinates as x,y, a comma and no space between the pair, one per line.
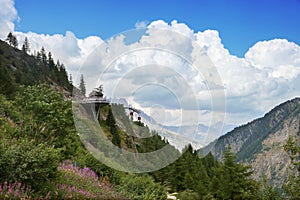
265,35
240,23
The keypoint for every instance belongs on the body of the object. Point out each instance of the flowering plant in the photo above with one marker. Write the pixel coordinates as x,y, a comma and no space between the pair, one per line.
81,183
14,190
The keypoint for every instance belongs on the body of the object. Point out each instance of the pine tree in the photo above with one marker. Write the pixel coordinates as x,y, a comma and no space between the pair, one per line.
50,61
71,79
186,173
43,56
9,38
292,185
267,192
58,64
23,49
110,120
12,40
25,46
82,85
62,75
209,162
176,174
111,123
195,177
39,57
116,139
234,179
7,85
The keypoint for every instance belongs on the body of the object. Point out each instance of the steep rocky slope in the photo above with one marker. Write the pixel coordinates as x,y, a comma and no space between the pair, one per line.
260,142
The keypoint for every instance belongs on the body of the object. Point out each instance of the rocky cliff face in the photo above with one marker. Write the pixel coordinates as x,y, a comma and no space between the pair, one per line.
260,142
273,161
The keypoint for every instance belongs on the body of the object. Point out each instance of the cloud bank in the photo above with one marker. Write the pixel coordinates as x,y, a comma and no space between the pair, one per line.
267,75
8,14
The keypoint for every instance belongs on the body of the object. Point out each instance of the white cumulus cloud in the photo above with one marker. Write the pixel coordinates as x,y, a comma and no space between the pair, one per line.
8,14
268,74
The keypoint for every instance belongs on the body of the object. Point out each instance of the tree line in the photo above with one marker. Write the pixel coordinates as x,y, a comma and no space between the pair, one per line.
37,133
42,67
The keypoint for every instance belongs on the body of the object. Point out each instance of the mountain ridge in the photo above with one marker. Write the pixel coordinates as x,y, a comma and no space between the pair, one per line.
19,68
261,141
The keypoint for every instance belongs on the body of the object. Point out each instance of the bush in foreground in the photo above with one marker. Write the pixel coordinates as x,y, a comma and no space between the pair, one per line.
13,191
141,187
81,183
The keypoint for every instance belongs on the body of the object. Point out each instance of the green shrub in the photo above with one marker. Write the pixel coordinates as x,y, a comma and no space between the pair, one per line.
32,164
80,183
141,187
188,195
14,190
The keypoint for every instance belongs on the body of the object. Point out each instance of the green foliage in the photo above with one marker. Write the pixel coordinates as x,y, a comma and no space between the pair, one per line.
141,187
15,190
110,120
46,117
233,180
19,68
292,184
99,168
116,139
210,163
82,85
33,164
186,173
12,40
292,187
80,183
111,123
7,85
255,132
43,56
188,195
293,150
267,192
37,132
26,46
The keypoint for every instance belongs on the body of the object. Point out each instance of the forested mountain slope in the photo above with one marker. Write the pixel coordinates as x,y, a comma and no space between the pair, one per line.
42,155
19,68
261,141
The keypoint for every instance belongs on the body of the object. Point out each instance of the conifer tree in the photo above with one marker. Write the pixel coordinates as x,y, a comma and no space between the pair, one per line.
292,185
187,173
209,162
12,40
71,79
23,49
110,120
50,61
111,123
58,64
82,85
62,75
267,192
116,139
43,56
38,56
234,179
195,177
9,38
25,46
